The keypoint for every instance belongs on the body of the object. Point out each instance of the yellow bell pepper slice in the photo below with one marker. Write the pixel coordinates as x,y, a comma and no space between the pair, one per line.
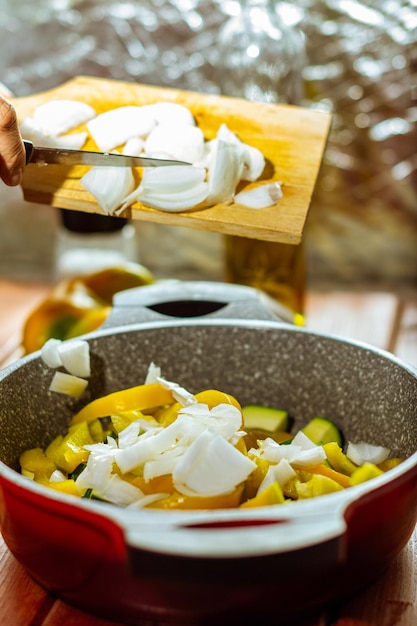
268,497
179,501
65,486
141,397
36,462
325,470
317,486
365,472
69,451
338,459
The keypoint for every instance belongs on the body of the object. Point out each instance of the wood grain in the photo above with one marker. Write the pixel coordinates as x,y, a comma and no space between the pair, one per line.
291,138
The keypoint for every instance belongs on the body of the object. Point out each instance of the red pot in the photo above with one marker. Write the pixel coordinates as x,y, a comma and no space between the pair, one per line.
234,566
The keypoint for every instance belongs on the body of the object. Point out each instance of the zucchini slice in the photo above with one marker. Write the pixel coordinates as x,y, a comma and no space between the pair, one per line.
257,417
321,430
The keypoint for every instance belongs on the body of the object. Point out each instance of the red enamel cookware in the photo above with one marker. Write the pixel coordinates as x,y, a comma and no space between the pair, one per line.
243,566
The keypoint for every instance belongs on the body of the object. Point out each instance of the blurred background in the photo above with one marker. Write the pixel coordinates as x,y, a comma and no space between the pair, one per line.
361,65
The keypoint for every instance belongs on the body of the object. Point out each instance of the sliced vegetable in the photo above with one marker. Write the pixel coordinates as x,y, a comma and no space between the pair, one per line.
260,197
109,186
268,497
141,398
367,471
59,116
338,459
68,384
362,452
264,418
317,486
321,430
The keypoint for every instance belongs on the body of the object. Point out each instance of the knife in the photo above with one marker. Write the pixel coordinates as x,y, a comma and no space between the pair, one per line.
62,156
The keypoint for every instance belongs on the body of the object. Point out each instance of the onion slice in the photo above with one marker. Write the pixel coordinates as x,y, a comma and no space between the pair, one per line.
113,128
224,172
109,185
211,466
182,201
56,117
50,353
361,452
260,197
75,357
179,141
68,384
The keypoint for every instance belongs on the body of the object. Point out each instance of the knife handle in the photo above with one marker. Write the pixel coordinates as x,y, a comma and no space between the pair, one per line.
28,149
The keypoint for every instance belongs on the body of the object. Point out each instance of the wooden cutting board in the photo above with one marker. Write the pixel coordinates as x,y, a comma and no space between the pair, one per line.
292,139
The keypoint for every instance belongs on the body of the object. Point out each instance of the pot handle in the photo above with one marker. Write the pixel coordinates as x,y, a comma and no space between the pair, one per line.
231,534
188,299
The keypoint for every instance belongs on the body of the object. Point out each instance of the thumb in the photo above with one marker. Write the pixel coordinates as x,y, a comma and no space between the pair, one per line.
12,152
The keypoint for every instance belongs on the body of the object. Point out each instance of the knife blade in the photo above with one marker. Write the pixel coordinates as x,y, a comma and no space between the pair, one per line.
62,156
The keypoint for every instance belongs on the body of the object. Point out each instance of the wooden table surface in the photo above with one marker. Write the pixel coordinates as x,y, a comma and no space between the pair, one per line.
381,319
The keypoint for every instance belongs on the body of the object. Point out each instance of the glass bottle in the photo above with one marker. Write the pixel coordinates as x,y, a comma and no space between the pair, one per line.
261,58
88,242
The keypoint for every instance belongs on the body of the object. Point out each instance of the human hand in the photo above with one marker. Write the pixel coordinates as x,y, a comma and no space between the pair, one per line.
12,152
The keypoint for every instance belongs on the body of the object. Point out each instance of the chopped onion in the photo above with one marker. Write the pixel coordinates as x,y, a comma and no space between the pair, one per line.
360,453
59,116
180,201
30,130
113,128
309,458
50,353
152,374
68,384
180,394
224,173
57,476
171,113
75,357
253,159
133,146
172,179
211,466
260,197
179,141
109,185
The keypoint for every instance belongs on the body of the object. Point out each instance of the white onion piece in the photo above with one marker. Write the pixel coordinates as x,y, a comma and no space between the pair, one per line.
171,113
30,130
179,141
75,357
181,395
253,159
154,371
211,466
224,173
109,185
59,116
181,201
57,476
50,353
283,472
260,197
309,458
361,452
303,441
172,178
68,384
133,146
130,199
113,128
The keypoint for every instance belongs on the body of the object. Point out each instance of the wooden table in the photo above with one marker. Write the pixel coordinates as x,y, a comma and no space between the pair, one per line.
381,319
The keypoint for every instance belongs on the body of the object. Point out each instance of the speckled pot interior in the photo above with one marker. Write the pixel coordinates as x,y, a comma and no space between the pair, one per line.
371,396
